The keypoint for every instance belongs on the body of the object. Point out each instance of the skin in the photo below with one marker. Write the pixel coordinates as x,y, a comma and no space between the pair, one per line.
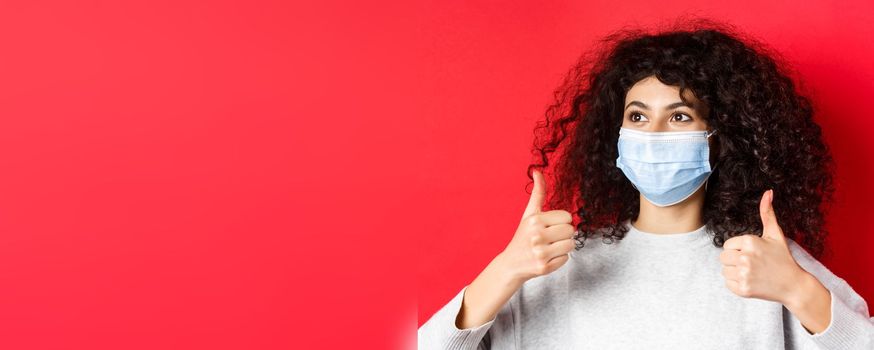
753,267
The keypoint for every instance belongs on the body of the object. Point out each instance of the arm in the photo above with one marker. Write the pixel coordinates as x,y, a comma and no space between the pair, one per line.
465,321
827,309
486,295
810,303
541,244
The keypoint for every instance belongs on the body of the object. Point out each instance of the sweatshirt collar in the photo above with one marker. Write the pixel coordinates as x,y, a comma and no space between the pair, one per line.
691,238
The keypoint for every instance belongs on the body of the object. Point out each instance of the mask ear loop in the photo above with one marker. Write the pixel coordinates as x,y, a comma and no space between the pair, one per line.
710,134
714,167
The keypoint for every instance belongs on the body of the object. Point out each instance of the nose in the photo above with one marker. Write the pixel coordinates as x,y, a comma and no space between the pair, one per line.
656,127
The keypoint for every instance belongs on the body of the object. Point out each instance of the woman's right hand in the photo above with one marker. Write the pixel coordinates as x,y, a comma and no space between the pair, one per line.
542,241
540,246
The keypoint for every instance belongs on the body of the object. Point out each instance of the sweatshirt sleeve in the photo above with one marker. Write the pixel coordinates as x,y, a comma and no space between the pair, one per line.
440,332
851,326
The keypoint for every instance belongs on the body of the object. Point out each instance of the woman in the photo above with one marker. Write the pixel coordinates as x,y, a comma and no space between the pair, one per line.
693,158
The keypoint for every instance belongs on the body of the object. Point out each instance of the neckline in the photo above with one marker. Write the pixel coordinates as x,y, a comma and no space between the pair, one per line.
680,239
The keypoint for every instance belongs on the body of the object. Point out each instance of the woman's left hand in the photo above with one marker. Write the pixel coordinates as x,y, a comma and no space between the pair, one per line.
762,267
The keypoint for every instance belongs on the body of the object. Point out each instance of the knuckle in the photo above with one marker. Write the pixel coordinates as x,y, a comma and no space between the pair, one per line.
569,245
533,220
537,252
536,238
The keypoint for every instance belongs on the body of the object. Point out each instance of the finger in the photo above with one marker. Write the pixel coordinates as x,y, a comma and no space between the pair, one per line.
560,247
556,217
765,208
730,273
556,233
535,202
737,242
770,228
556,262
733,286
729,257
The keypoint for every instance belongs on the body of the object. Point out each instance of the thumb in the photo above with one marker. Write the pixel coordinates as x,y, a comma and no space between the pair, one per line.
770,228
535,203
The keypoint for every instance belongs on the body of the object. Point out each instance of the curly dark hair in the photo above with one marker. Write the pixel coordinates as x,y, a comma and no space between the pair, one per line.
767,137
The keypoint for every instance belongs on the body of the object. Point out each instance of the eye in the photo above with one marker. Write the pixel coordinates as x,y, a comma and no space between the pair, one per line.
680,119
635,117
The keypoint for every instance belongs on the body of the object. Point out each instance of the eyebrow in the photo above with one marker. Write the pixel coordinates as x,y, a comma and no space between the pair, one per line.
670,106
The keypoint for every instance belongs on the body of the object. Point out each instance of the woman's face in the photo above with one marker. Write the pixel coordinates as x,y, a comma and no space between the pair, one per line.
653,106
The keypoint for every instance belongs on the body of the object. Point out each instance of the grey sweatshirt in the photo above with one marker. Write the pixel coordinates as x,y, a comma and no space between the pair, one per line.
651,291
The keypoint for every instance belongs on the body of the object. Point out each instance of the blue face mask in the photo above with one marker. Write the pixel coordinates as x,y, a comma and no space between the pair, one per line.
666,167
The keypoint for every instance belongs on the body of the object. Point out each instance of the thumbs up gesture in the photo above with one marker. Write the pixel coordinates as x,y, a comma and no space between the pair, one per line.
761,267
543,239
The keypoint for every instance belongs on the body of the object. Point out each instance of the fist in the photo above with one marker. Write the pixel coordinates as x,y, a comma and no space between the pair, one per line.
761,267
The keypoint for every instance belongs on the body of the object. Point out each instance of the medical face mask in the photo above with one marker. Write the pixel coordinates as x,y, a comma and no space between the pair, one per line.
666,167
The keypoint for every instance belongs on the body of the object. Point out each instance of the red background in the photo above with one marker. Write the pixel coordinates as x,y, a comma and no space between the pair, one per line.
491,69
226,175
205,175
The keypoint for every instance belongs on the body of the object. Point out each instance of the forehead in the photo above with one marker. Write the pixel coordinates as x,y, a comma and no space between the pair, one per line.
653,92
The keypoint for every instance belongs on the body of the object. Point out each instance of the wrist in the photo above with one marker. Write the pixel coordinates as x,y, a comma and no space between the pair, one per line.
505,273
811,304
802,289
